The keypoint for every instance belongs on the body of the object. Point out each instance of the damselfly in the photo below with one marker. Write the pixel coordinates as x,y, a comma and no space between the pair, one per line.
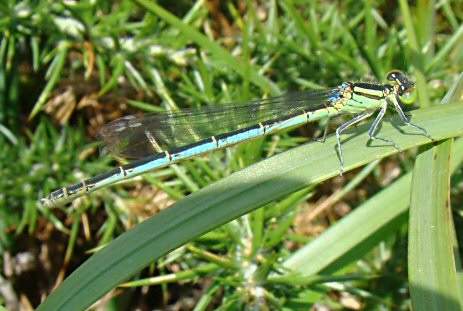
159,140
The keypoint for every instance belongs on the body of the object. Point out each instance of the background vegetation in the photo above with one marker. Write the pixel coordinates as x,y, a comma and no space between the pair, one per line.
381,237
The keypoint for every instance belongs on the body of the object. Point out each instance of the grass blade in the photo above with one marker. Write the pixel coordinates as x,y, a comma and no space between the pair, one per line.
432,271
432,263
234,196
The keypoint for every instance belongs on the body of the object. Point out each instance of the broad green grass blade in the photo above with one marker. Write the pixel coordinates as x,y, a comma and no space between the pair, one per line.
214,48
432,263
432,271
237,195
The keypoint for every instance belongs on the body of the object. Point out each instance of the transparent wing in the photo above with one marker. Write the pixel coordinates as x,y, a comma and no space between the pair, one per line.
138,136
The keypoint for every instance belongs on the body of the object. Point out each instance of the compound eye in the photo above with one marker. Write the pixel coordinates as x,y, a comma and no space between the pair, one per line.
395,75
409,96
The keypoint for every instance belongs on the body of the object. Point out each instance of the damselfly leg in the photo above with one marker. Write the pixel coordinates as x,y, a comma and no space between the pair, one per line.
374,126
345,126
325,132
405,119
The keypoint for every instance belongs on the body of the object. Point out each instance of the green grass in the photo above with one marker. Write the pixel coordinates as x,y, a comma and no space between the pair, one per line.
71,68
247,190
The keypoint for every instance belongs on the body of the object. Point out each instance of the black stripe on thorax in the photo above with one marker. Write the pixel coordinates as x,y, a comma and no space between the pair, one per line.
370,90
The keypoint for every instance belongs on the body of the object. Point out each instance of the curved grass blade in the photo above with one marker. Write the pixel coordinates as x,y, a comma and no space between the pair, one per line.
234,196
433,280
432,257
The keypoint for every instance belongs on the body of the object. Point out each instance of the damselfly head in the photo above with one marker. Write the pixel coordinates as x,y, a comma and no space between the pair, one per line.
404,87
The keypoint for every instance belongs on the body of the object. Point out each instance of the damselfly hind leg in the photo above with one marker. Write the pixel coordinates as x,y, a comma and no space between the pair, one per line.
325,131
345,126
